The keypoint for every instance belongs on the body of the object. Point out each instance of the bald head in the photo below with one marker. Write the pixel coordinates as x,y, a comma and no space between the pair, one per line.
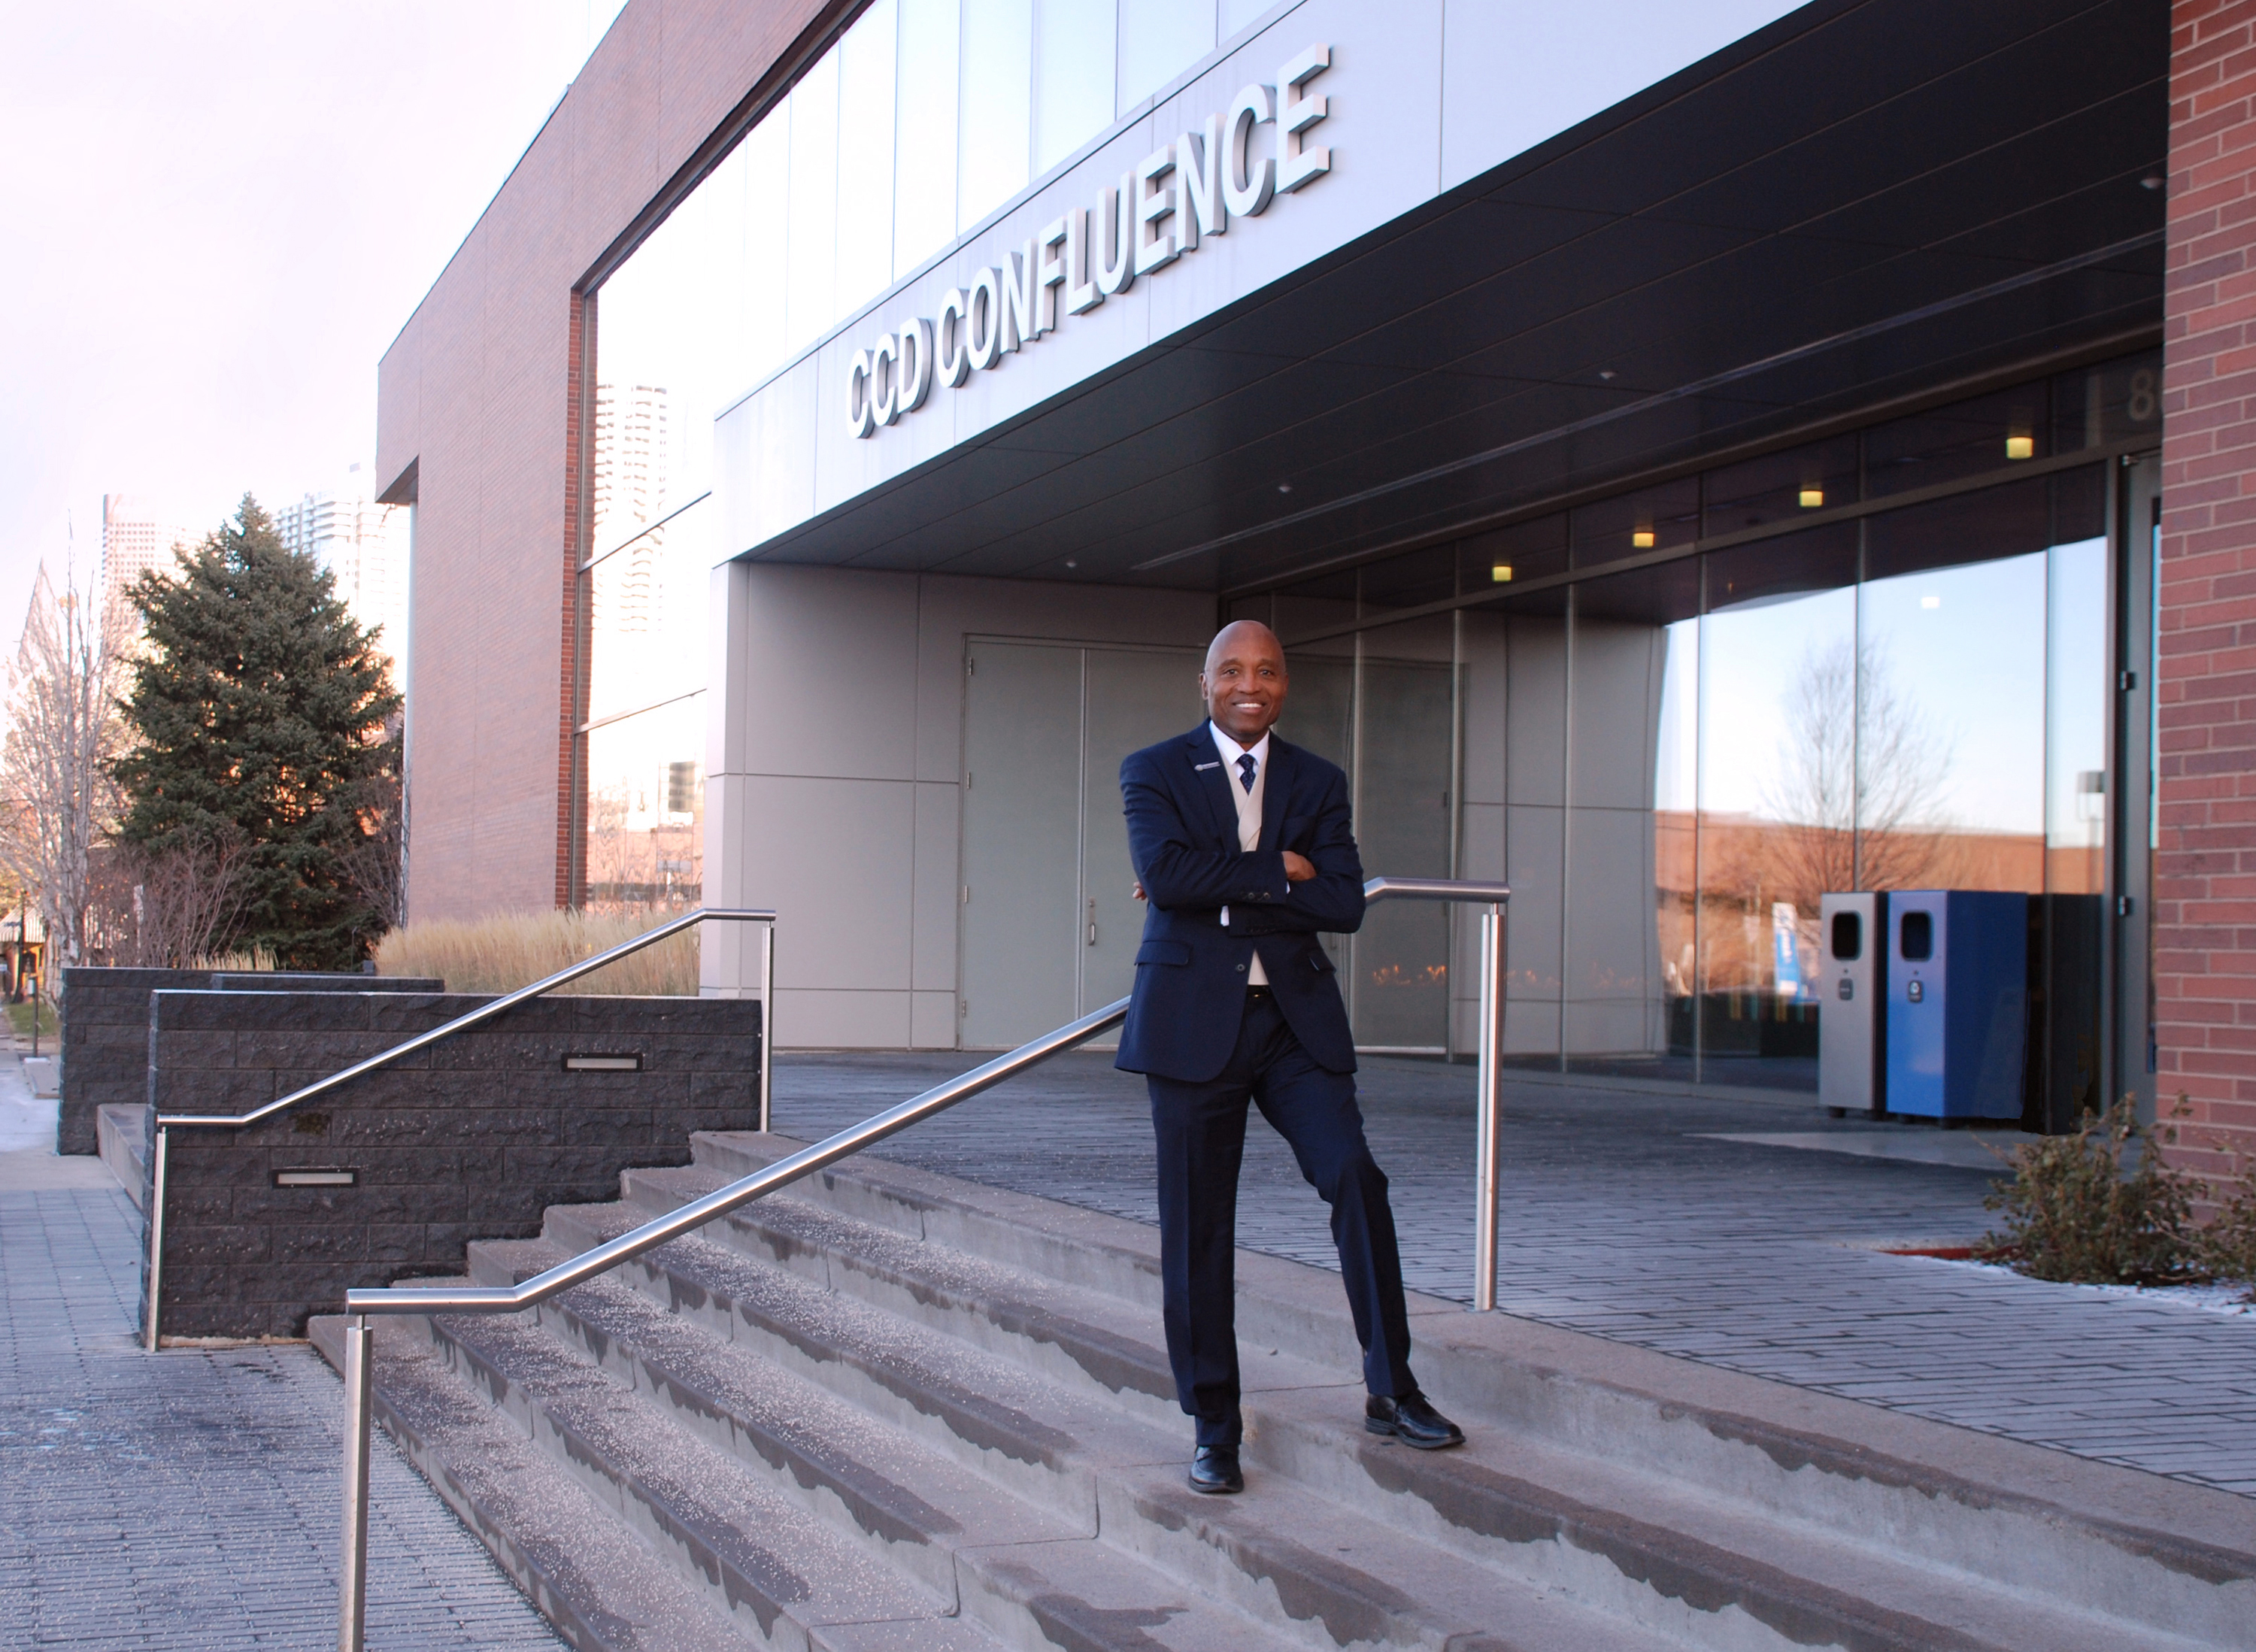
1244,681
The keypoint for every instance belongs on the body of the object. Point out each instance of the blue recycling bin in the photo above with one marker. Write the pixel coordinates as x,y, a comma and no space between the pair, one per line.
1958,995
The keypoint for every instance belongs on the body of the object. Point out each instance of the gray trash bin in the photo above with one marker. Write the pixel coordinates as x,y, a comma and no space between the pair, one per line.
1852,1003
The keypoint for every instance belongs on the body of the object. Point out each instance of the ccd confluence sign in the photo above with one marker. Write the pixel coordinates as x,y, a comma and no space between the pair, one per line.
1200,181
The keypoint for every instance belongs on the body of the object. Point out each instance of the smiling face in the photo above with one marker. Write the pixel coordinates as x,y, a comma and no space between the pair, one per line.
1243,681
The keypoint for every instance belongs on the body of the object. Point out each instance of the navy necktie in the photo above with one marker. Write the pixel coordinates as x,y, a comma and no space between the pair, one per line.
1245,771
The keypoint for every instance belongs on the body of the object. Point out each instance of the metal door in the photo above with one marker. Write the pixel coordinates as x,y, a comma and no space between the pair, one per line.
1018,942
1135,698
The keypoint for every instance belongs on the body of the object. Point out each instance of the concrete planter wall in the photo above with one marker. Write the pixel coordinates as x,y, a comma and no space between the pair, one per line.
471,1139
105,1035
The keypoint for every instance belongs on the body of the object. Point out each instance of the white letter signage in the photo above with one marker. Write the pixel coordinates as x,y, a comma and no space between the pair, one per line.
1175,198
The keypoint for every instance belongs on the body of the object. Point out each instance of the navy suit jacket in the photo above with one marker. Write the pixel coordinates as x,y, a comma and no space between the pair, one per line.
1190,971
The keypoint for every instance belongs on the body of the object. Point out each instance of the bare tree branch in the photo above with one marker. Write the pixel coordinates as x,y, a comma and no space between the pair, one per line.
55,765
1858,782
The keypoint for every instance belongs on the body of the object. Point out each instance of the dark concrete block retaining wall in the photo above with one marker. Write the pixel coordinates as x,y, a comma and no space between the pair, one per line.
106,1031
471,1139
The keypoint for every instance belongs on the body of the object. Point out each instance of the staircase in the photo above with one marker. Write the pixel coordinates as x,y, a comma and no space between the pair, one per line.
890,1410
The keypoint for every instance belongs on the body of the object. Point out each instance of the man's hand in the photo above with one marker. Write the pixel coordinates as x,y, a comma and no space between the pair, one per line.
1141,895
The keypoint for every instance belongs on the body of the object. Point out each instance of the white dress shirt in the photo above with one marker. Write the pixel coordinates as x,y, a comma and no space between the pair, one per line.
1249,813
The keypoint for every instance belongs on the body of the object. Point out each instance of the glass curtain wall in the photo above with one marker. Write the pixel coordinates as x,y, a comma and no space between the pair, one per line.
1674,757
922,119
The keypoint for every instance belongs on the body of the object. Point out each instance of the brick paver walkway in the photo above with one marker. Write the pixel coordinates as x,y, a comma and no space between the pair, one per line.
1623,1215
189,1498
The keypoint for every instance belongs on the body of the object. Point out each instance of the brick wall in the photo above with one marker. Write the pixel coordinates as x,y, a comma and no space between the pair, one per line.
476,423
2206,889
105,1034
471,1139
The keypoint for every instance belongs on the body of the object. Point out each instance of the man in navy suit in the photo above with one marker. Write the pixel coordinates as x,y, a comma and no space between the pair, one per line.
1244,848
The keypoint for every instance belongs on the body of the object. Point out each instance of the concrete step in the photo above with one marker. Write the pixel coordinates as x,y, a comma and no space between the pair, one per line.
983,1569
903,1502
780,1573
1791,1492
890,1409
1323,1580
121,1137
1036,1438
585,1571
1105,1346
1595,1542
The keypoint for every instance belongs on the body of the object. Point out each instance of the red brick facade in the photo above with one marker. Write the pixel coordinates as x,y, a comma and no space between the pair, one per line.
2205,881
479,396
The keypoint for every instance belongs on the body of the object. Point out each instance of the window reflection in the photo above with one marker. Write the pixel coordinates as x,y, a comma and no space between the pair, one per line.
1405,786
1780,486
1630,918
1916,699
1777,796
1951,736
1633,524
1504,556
646,809
1517,662
1962,440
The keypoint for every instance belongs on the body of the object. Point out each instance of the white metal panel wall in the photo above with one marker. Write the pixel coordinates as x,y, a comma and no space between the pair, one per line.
834,757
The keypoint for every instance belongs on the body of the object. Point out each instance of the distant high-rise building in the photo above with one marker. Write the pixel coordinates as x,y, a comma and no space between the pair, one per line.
135,540
630,491
364,545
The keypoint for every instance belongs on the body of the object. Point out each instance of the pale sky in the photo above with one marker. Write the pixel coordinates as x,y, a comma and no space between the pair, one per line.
217,217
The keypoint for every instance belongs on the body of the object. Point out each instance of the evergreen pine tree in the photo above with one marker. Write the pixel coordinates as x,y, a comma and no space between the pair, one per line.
259,712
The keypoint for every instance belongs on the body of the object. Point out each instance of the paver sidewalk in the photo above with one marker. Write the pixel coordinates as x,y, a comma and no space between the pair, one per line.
189,1498
1623,1216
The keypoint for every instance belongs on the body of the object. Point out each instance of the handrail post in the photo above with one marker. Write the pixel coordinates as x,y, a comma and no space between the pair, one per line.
1489,1149
157,1157
352,1581
767,1021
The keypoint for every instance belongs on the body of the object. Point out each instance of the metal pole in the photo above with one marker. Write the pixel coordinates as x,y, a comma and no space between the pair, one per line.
767,1020
1488,1148
156,1231
352,1583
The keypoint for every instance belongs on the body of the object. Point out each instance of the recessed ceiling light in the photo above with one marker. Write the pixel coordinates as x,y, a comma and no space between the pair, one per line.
1812,498
1070,562
1605,372
2150,182
1500,573
1283,487
2020,447
1642,539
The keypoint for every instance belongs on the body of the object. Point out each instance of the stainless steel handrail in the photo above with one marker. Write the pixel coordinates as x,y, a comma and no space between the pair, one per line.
1488,1106
362,1303
168,1121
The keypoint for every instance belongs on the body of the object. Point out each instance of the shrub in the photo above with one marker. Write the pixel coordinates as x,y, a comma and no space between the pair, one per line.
511,950
2227,1246
2100,1207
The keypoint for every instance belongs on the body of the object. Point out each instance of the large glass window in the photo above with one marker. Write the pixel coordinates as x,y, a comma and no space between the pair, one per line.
1631,941
922,120
1778,802
1822,692
919,120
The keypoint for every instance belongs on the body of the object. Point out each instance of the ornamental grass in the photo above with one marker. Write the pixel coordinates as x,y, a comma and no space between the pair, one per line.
505,951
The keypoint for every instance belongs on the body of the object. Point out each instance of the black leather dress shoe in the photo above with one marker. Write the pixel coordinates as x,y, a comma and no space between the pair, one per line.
1215,1471
1410,1418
